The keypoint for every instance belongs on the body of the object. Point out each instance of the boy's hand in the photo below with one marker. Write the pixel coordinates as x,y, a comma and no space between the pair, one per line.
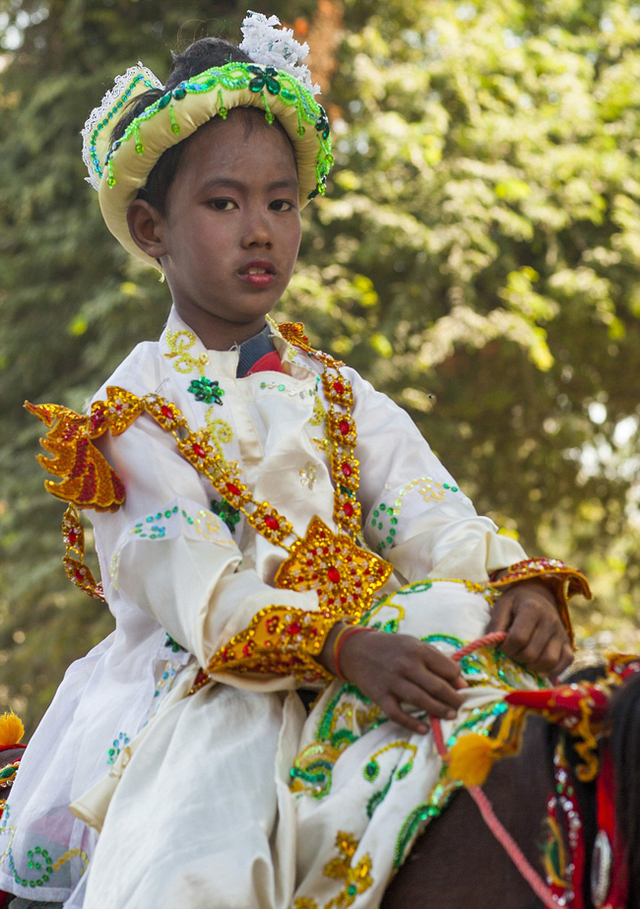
535,634
395,670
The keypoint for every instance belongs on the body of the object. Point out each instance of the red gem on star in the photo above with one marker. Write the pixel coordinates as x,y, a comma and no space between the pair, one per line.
333,574
294,628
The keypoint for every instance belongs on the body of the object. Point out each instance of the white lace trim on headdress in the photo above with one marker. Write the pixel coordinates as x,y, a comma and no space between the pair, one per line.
107,104
269,44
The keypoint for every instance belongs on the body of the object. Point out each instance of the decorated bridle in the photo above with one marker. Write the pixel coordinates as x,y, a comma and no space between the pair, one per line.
580,708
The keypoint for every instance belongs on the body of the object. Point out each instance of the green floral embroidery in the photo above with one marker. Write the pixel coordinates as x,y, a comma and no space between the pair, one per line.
157,531
207,391
372,771
264,78
385,517
40,862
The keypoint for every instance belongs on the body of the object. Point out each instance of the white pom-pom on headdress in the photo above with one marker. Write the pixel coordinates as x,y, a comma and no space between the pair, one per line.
96,130
270,44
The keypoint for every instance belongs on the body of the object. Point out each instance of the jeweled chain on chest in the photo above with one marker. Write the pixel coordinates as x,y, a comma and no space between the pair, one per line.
122,407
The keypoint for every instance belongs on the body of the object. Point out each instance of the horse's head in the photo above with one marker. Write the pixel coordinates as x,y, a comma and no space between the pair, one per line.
601,715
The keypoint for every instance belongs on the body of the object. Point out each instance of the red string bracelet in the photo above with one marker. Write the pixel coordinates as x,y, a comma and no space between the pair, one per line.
341,637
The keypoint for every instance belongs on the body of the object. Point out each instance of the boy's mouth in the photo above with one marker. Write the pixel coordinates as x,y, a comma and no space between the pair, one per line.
258,273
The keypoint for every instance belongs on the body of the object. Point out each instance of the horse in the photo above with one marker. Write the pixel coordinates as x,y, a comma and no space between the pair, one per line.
457,862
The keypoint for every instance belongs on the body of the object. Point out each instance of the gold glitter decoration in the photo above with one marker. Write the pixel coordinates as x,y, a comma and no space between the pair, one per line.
179,344
308,474
345,576
563,581
281,641
220,433
357,879
73,559
87,480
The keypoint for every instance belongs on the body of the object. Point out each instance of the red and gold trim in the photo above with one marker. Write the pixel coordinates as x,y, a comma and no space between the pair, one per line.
563,581
73,559
345,576
278,641
87,480
293,333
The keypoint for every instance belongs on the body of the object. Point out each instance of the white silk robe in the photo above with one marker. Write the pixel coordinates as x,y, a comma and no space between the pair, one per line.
192,793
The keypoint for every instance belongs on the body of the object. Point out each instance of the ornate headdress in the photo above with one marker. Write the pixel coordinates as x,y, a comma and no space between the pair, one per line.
277,82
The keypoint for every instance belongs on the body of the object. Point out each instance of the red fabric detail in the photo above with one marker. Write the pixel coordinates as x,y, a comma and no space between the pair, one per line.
269,362
563,701
619,885
10,748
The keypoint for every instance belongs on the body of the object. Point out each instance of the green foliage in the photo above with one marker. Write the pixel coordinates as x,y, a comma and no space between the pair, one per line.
477,257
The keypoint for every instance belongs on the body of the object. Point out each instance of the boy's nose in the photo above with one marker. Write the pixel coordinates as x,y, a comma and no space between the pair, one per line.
257,234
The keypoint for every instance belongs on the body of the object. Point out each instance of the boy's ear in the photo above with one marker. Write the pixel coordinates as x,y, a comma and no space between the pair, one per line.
145,226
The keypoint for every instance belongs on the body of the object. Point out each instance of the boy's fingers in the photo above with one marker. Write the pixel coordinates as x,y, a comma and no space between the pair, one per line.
519,633
429,694
500,615
566,659
393,711
534,653
441,665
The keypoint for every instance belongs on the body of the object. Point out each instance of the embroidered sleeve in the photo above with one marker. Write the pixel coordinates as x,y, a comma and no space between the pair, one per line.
564,581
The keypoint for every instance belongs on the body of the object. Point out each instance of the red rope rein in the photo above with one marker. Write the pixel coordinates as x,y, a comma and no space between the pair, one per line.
505,839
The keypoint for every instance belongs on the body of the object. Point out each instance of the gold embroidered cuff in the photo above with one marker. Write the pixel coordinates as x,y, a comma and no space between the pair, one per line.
562,580
278,641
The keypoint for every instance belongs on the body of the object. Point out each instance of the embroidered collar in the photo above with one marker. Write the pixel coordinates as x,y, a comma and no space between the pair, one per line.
180,345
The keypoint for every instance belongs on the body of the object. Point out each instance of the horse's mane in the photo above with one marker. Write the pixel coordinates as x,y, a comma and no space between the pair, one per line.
624,718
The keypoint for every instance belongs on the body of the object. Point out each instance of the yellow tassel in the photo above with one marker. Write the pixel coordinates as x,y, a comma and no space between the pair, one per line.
11,729
473,755
471,759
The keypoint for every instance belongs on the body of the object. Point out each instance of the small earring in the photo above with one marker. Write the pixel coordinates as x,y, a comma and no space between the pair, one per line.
163,278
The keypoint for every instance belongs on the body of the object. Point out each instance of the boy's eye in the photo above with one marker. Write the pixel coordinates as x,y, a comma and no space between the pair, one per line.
223,204
282,205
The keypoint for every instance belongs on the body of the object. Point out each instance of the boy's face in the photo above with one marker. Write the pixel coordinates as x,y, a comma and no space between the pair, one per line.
232,230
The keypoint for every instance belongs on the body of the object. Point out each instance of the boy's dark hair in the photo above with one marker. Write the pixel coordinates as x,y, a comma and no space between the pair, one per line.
198,57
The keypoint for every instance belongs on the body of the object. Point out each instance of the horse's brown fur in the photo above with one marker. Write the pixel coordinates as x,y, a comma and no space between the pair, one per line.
458,863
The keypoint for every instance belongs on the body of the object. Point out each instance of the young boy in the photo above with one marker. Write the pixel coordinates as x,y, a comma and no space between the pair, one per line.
234,475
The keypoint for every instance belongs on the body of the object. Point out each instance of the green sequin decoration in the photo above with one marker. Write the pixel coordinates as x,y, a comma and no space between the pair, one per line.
206,391
378,797
410,828
227,513
169,642
371,771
